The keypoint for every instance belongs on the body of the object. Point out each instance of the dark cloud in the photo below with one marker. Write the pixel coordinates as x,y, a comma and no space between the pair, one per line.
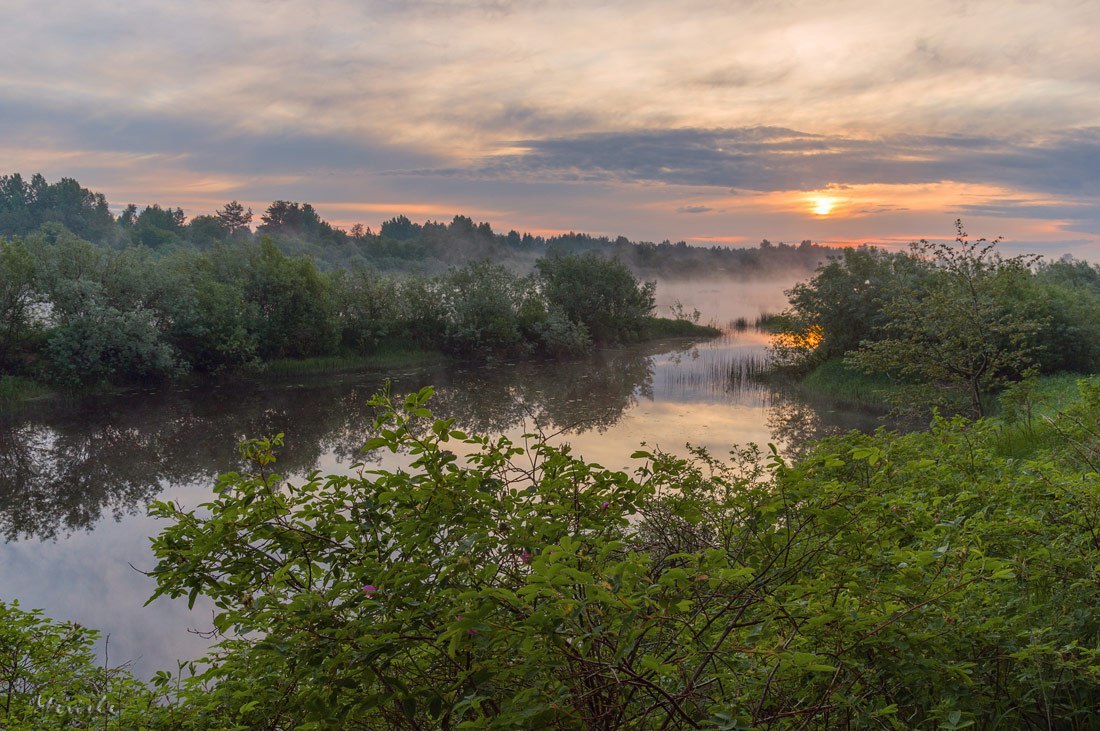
776,159
204,144
694,209
1074,216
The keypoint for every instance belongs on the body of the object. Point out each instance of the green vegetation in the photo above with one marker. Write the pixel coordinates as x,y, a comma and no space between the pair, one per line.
14,388
949,325
772,322
88,300
386,360
836,380
78,316
49,680
661,327
925,580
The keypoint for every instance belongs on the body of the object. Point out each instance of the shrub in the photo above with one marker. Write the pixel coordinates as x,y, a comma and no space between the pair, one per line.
905,581
49,680
599,293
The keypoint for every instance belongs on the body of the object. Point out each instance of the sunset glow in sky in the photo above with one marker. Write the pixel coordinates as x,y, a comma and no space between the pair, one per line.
712,122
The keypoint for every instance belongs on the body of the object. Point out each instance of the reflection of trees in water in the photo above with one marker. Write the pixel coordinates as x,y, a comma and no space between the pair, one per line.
588,394
64,466
796,423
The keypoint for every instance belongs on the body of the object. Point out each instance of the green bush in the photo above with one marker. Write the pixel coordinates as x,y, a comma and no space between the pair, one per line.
482,303
916,581
49,680
600,294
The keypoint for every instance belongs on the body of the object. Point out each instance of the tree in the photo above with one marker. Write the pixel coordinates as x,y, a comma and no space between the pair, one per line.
235,218
843,302
293,313
17,298
482,303
401,228
156,226
599,293
16,217
206,230
960,327
128,218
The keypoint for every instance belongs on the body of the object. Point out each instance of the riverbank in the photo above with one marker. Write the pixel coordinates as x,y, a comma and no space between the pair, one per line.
16,390
1037,400
658,328
838,382
384,360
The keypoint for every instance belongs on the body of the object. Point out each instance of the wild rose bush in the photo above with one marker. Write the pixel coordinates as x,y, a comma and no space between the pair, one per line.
885,581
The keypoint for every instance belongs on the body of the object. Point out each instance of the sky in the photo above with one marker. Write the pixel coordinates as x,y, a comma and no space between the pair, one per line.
711,122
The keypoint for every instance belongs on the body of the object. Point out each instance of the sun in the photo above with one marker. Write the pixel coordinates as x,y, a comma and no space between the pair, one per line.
823,205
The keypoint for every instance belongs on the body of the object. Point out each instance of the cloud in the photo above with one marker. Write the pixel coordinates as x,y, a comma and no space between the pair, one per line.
694,209
206,145
778,159
615,115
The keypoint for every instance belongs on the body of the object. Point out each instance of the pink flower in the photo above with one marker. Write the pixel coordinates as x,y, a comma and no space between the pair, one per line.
369,590
604,505
525,557
471,631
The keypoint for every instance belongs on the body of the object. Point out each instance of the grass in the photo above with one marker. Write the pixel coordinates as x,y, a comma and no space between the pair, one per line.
1021,437
663,327
386,359
771,322
1018,436
14,389
835,380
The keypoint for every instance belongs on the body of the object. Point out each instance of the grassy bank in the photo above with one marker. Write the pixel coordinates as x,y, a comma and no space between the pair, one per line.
14,389
396,358
835,380
1025,414
663,327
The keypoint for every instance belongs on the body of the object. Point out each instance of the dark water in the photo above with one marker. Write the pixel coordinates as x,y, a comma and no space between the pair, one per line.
75,477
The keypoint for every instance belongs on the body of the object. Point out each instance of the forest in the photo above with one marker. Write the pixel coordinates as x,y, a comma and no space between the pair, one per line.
400,245
88,300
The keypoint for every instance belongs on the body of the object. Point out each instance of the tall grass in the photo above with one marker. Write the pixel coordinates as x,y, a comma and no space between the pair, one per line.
1020,436
396,358
771,322
14,389
840,382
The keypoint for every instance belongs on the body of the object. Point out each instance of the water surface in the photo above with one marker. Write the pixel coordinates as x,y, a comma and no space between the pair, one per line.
75,478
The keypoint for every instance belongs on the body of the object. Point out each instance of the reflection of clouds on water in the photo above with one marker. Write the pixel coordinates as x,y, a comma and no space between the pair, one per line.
74,480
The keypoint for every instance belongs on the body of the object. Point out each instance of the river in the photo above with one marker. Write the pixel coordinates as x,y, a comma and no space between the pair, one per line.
75,477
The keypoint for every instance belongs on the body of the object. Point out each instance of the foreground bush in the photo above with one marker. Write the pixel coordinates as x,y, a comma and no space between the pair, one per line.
50,680
915,581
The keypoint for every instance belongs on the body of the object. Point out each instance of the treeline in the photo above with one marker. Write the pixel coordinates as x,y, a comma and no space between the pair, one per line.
399,245
75,314
959,317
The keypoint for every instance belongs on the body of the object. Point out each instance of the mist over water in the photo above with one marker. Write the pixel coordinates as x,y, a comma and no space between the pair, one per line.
75,478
